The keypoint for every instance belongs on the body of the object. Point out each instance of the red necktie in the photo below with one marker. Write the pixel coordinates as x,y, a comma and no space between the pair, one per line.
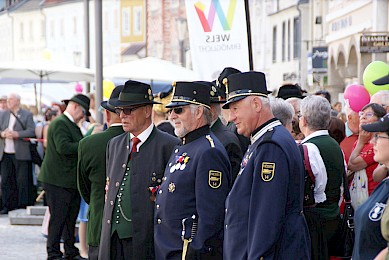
135,141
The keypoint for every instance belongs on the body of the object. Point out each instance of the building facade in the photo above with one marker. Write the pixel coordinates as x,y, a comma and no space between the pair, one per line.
315,43
347,21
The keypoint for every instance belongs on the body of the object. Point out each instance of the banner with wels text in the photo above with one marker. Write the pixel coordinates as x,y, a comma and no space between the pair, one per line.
218,36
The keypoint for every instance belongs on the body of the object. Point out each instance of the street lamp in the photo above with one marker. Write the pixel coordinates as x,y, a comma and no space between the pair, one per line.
181,33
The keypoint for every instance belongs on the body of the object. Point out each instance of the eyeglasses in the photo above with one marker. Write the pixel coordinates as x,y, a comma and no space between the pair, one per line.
376,137
126,110
368,114
177,110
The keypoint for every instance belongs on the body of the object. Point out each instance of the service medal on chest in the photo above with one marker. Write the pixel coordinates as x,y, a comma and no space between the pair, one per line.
172,187
172,169
178,165
181,162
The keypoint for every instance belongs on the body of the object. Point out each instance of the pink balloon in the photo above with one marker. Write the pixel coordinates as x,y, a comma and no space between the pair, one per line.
356,96
78,88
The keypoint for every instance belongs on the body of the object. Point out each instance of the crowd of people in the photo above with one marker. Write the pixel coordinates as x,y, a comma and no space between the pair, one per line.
207,170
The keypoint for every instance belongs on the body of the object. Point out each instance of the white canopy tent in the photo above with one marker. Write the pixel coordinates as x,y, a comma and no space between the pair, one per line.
43,71
150,68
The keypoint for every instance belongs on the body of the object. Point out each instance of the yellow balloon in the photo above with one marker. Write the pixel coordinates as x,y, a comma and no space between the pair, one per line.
108,87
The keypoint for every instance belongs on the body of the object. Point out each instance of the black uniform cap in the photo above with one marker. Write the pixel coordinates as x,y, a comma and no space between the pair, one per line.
185,93
223,75
245,84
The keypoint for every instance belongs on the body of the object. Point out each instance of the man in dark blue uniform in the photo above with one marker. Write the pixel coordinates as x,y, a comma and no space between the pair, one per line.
226,136
244,141
264,218
189,210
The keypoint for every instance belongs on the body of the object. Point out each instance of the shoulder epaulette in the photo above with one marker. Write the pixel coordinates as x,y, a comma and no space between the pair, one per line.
210,140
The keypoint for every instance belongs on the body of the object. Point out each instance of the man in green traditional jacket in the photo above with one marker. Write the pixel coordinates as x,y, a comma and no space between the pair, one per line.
59,177
135,164
91,172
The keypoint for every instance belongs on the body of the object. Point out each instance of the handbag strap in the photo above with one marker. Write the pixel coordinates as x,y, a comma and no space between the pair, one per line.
346,192
307,164
20,122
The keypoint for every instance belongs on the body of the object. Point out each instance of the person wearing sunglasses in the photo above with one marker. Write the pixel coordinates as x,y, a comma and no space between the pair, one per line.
263,215
58,176
371,218
189,209
382,98
135,163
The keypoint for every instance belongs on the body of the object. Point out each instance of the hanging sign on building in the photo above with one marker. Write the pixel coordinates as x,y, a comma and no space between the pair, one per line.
319,58
374,43
218,36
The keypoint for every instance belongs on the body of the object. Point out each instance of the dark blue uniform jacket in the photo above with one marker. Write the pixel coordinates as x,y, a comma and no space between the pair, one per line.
196,182
367,219
264,208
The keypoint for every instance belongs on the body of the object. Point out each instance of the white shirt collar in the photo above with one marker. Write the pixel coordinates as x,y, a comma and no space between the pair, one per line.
144,135
66,113
116,124
315,134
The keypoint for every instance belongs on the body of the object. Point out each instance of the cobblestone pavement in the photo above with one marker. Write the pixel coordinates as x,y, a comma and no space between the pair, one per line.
21,241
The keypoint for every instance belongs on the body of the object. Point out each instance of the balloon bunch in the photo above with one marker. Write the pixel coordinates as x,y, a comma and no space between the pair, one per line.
375,78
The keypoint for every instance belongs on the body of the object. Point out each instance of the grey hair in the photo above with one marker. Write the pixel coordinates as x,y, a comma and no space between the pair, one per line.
15,95
217,108
206,112
316,111
264,100
383,96
294,99
282,110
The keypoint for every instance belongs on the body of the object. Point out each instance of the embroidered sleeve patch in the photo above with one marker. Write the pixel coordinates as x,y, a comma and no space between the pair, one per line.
267,172
214,179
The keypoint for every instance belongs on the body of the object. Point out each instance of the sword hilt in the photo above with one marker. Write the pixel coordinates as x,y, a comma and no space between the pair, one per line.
184,236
